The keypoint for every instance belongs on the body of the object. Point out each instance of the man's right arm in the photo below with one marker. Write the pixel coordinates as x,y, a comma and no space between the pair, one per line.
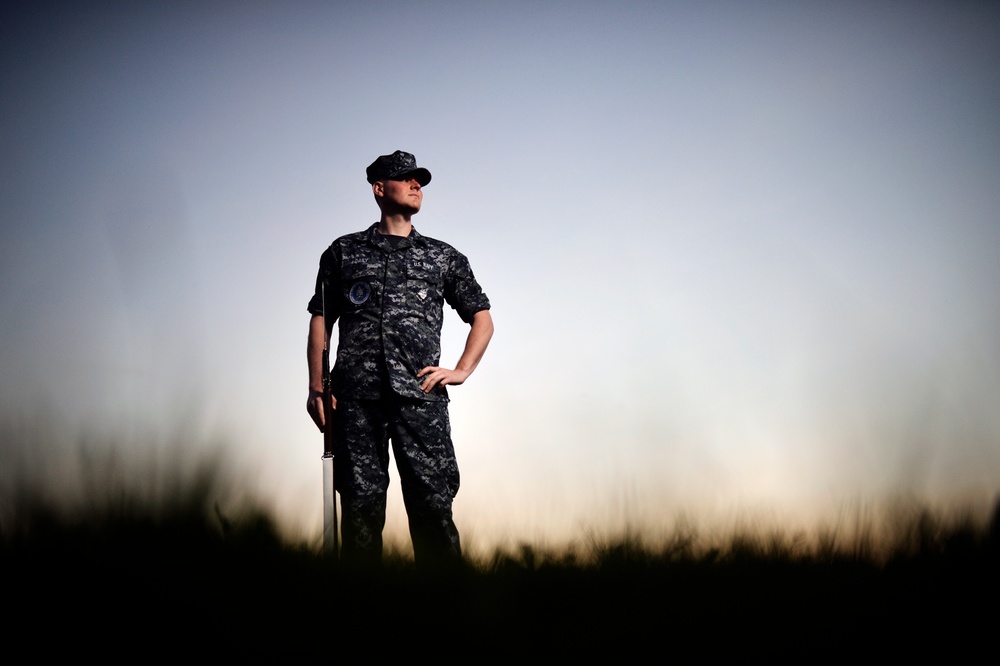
314,356
317,341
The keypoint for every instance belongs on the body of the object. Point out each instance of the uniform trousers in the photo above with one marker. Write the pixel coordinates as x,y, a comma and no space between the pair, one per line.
420,433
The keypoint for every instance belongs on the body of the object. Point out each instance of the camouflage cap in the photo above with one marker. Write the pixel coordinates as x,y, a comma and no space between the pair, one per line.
396,165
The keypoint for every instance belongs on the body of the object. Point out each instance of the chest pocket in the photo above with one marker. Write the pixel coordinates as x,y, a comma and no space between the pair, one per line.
425,288
360,287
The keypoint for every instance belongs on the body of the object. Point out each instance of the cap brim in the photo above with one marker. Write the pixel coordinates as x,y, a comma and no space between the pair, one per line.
422,175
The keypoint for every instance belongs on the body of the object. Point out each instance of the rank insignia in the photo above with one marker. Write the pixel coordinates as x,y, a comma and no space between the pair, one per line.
422,294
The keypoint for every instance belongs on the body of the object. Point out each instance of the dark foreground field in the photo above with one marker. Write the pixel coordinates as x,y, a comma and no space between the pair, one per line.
131,582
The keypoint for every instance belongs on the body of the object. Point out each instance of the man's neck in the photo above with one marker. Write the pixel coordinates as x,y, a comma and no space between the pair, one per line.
395,225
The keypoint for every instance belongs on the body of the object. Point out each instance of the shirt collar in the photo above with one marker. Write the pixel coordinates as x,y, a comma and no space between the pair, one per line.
379,240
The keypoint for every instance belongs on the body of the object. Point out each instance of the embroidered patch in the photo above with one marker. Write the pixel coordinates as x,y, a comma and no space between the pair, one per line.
359,293
422,294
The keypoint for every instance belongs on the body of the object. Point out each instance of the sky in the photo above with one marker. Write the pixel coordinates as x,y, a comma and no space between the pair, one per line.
742,256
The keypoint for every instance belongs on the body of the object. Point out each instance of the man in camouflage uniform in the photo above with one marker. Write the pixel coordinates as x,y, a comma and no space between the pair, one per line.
387,287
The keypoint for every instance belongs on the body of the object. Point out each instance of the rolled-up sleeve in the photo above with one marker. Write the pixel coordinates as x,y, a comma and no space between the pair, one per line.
462,291
326,275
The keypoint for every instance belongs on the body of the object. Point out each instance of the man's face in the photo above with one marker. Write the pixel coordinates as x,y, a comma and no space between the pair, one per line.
404,194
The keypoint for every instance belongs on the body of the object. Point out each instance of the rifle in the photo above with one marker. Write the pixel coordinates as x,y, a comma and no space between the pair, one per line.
331,532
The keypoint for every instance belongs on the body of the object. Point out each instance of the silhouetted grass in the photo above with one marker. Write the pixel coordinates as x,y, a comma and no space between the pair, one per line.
132,575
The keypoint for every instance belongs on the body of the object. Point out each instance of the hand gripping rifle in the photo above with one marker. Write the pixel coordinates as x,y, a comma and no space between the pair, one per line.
331,532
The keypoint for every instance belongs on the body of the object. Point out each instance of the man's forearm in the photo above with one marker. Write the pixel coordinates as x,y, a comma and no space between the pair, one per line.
314,352
434,376
477,342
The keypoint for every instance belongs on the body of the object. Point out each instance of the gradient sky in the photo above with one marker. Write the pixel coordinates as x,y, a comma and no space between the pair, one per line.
743,257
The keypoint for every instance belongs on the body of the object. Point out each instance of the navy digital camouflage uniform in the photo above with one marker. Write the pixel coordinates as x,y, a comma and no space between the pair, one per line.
388,299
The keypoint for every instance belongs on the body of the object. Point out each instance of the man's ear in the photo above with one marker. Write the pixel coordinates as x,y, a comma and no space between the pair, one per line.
378,188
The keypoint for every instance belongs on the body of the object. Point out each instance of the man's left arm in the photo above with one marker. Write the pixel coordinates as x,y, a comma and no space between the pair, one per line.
475,347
